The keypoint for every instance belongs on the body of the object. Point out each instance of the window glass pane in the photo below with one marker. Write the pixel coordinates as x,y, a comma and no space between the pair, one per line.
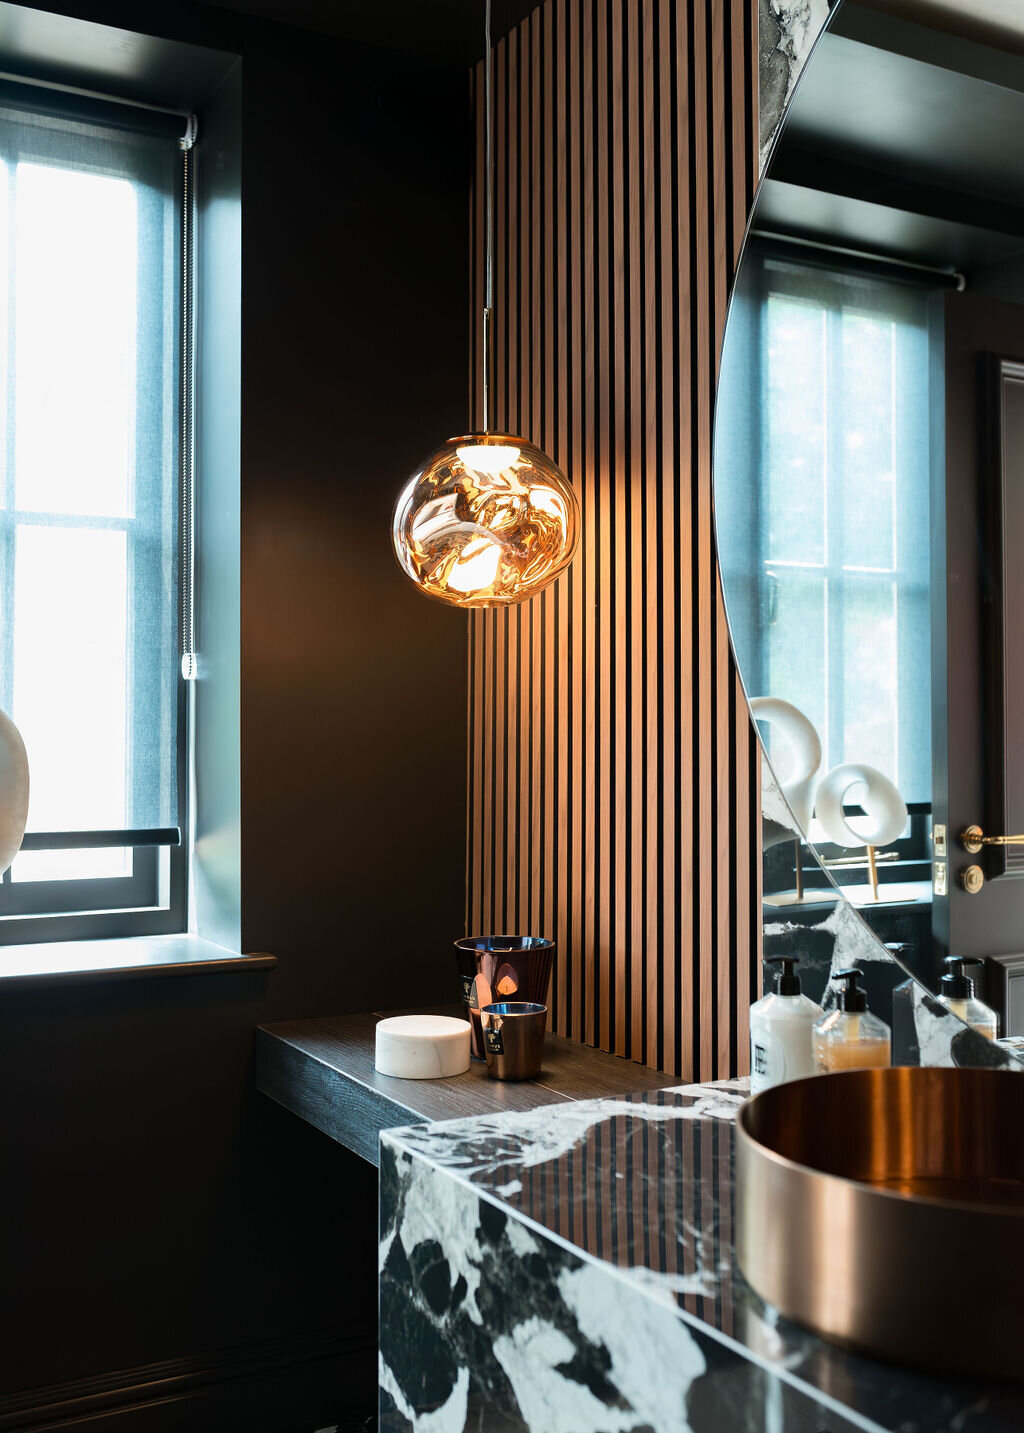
89,661
795,447
71,673
75,297
866,414
70,865
871,676
4,328
841,472
798,665
90,315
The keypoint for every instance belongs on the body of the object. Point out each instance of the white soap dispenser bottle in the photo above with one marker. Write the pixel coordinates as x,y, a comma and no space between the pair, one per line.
781,1026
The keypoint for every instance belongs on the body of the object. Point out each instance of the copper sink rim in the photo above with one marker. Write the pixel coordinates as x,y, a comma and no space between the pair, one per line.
975,1206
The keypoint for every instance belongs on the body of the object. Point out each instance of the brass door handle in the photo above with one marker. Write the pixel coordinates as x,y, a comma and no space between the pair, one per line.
972,838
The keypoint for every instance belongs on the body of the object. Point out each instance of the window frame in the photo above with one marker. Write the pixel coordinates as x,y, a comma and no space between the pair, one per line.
153,899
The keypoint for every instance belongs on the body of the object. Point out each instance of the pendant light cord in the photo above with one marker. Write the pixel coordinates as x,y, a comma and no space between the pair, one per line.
488,219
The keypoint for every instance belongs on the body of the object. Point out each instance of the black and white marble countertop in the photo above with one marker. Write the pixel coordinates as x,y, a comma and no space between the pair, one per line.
572,1270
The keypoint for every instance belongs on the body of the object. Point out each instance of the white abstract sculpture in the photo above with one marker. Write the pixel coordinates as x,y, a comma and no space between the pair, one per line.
805,746
13,791
885,809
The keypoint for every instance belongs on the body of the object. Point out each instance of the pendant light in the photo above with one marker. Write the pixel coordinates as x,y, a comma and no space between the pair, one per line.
488,519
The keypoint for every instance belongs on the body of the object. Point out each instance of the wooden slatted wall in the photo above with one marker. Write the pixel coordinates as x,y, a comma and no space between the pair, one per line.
612,768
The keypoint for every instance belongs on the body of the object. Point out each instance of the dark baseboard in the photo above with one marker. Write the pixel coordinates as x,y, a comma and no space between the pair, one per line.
317,1381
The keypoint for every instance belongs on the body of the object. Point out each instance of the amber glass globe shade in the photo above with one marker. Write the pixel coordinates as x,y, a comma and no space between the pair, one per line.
488,520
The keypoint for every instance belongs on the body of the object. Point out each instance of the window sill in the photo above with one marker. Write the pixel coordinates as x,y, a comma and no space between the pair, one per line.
128,958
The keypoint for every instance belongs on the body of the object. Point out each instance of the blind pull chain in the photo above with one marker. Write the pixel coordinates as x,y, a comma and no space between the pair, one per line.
187,435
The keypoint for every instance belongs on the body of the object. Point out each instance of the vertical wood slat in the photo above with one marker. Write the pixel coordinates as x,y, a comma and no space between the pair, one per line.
702,834
539,333
604,634
565,652
670,394
570,391
513,281
613,774
619,473
584,722
651,656
635,674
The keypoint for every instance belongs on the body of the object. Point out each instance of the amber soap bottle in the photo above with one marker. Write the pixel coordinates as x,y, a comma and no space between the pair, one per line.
850,1037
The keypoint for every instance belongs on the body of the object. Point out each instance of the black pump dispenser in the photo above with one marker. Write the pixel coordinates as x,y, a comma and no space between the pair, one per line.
787,982
851,997
955,984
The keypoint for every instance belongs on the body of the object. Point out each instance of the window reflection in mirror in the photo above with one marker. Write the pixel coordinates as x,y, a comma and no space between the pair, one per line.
838,620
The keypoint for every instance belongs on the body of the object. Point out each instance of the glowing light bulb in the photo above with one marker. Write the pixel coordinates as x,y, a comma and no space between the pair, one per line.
487,458
487,521
544,500
476,568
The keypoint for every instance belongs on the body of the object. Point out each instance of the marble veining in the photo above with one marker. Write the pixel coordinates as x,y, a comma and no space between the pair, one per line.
787,30
573,1269
480,1146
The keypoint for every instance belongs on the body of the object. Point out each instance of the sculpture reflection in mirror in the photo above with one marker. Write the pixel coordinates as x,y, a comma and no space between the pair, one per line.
884,809
827,443
797,788
809,795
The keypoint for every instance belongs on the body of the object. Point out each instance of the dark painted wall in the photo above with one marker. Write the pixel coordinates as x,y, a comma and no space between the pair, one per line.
154,1206
354,686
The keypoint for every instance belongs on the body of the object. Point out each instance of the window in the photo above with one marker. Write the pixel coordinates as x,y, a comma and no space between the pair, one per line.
839,443
90,378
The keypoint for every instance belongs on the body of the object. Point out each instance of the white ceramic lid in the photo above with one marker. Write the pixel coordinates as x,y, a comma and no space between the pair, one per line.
422,1027
422,1047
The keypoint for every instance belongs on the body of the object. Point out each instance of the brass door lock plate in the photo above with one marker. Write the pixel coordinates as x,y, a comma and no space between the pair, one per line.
939,882
939,842
972,878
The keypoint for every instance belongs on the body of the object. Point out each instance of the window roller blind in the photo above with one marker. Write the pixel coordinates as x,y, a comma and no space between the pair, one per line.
89,325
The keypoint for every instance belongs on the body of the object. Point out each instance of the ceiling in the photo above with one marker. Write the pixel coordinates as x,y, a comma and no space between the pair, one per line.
995,22
905,141
444,30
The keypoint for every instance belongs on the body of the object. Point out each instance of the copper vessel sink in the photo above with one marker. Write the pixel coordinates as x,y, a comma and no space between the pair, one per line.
884,1209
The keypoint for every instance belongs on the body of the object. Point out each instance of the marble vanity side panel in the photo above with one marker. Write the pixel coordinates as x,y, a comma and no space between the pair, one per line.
488,1324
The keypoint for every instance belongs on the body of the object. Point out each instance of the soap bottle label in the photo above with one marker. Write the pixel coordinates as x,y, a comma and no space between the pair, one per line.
767,1061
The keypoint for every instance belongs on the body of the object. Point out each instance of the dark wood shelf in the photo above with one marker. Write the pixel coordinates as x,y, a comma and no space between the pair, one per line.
322,1070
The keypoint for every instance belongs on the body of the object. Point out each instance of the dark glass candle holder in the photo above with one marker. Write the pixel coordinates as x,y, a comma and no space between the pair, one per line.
502,967
514,1039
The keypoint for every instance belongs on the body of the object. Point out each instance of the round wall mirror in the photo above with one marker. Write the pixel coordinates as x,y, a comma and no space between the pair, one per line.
869,489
